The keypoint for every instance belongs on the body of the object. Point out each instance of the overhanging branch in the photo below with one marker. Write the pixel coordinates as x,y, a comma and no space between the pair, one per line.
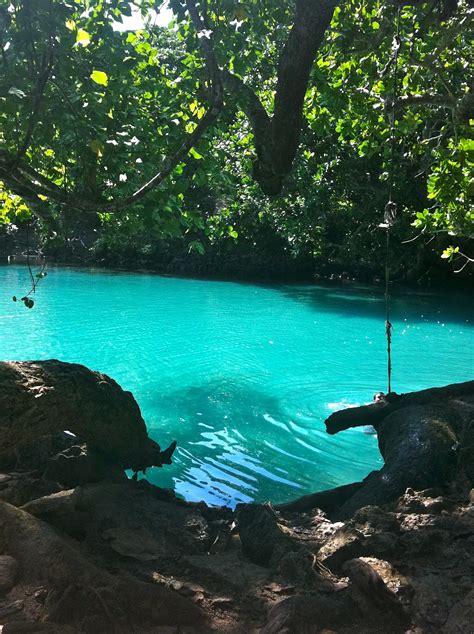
277,138
27,182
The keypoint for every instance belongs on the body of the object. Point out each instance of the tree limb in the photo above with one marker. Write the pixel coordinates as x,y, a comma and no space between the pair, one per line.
22,179
464,106
374,413
277,137
43,78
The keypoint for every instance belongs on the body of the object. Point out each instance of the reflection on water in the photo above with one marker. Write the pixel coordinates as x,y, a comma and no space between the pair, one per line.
238,444
241,375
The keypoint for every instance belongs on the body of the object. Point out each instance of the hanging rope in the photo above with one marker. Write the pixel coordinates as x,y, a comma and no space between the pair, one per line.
390,212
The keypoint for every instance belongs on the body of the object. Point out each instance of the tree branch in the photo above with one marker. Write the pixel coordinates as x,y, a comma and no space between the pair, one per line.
24,180
277,138
38,97
464,107
312,18
374,413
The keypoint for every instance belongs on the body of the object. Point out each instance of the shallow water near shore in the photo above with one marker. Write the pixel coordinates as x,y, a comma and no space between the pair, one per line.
242,375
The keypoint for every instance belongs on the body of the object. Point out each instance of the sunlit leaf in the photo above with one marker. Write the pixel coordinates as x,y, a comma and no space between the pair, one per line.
83,38
99,77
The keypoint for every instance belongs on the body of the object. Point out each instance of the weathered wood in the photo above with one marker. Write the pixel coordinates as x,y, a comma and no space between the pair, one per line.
375,413
328,501
425,439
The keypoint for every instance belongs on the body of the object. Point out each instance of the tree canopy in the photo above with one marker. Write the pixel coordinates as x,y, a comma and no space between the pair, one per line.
238,116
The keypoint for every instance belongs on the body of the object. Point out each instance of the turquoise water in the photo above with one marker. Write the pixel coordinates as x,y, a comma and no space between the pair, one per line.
241,375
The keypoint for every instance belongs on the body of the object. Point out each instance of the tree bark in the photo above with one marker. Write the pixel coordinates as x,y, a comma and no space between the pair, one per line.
277,137
425,439
375,413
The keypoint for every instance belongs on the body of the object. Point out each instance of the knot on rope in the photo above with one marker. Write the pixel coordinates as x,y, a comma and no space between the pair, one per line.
388,330
389,215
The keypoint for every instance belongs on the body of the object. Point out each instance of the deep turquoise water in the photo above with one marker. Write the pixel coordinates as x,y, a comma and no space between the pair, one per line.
241,375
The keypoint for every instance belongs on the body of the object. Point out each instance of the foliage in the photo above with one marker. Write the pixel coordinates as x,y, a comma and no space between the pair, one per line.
95,111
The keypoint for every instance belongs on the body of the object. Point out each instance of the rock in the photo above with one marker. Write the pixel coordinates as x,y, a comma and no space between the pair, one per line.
38,398
267,542
35,627
461,617
432,602
77,465
308,614
41,595
8,573
424,440
139,525
372,519
136,542
345,544
49,505
83,595
329,501
370,592
35,455
397,583
383,544
260,532
12,607
223,603
422,542
431,461
229,570
58,509
277,588
21,488
419,502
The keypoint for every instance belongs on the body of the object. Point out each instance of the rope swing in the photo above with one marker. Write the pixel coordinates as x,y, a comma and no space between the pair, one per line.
390,212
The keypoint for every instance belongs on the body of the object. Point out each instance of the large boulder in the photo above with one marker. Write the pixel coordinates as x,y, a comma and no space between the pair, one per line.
38,398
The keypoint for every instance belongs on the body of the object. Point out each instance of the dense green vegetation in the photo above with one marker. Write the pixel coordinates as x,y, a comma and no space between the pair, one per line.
259,128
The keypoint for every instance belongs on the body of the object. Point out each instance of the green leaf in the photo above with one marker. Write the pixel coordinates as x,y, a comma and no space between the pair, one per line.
197,245
195,154
83,38
100,77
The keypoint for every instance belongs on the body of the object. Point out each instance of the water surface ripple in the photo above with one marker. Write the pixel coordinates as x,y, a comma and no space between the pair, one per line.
241,375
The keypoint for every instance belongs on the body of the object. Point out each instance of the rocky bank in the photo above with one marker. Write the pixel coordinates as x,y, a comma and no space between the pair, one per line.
84,549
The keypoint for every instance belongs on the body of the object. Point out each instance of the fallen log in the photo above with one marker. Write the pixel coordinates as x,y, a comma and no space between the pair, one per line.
425,439
375,413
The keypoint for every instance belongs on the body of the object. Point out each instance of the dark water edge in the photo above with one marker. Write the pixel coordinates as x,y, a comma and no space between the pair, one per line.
269,261
345,281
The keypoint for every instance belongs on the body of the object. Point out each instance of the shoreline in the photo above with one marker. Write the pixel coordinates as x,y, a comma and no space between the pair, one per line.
463,287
